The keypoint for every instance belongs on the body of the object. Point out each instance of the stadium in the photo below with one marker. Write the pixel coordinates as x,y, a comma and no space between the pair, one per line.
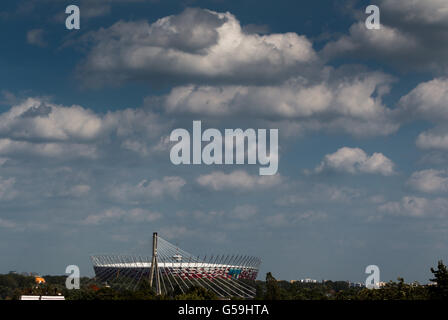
171,269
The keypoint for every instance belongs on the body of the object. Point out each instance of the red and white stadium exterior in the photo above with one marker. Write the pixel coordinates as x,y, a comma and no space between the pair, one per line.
175,268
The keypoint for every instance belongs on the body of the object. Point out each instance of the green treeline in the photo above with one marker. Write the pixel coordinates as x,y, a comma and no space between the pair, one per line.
12,286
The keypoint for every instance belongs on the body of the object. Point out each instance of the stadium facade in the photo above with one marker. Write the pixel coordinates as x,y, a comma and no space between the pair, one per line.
171,269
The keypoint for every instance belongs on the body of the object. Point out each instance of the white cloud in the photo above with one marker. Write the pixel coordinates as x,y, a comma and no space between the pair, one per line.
60,150
7,224
413,36
8,98
93,9
244,212
7,190
135,123
241,212
352,103
278,220
386,41
428,101
116,214
416,207
355,160
433,139
36,119
377,199
36,126
175,232
429,181
147,191
136,146
79,190
146,148
194,45
319,193
237,180
138,130
338,193
282,220
205,217
428,12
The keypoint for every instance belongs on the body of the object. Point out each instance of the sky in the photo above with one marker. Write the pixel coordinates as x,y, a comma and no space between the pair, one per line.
86,117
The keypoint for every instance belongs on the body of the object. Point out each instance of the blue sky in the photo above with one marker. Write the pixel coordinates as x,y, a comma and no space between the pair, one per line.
85,119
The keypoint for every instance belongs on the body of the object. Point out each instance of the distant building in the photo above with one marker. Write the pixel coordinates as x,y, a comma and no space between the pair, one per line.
308,280
356,285
42,297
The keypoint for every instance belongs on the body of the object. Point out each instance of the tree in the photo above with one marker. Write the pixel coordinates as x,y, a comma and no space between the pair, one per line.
197,293
272,288
440,289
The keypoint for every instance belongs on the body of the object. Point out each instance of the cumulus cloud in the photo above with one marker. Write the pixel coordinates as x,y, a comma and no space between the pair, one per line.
116,214
339,102
147,191
239,212
429,181
195,45
144,148
244,212
430,12
7,224
36,126
35,119
428,101
282,220
224,71
52,150
416,207
387,40
139,130
275,78
356,160
135,123
413,35
237,180
7,189
433,139
319,193
95,8
176,232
